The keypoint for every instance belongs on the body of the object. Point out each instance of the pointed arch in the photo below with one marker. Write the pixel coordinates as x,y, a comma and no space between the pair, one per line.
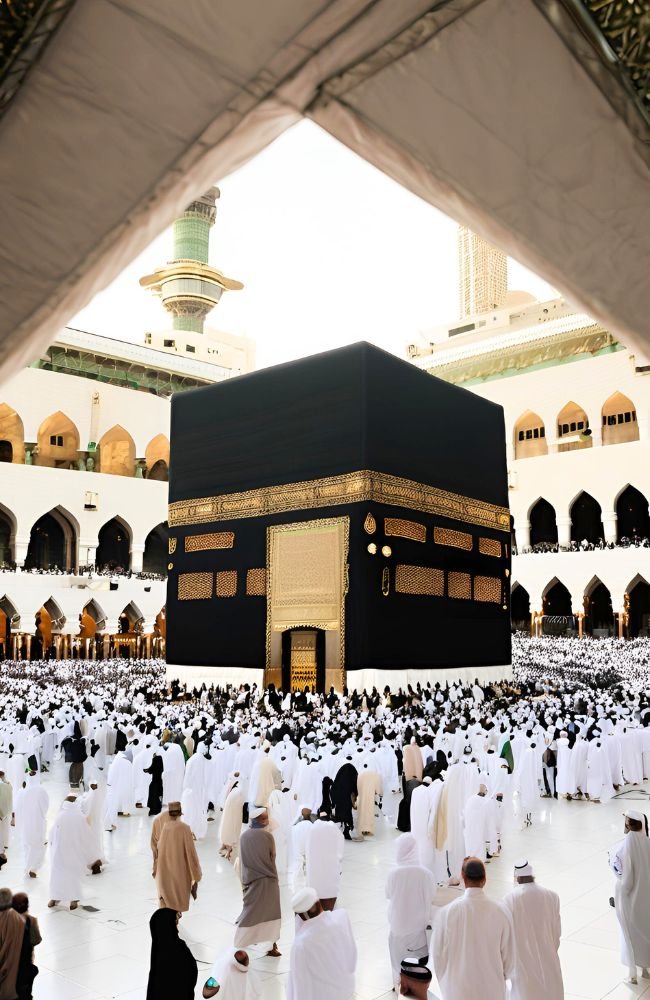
156,458
12,435
632,514
556,598
543,523
53,541
586,519
114,545
7,536
55,612
116,451
520,607
57,442
11,611
619,420
529,436
91,620
155,556
637,596
599,612
573,429
131,618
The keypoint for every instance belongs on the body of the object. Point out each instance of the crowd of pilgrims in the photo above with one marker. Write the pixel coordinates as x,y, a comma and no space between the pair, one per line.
444,764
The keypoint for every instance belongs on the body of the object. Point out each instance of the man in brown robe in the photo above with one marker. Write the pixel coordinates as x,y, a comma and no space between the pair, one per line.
178,871
261,916
156,834
12,932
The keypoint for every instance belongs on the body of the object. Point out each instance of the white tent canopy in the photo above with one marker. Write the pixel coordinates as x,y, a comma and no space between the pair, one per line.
499,112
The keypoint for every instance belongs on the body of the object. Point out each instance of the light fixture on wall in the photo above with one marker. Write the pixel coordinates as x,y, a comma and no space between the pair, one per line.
91,500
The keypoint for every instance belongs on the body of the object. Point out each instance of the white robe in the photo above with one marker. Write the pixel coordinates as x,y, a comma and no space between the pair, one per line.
120,780
173,773
93,805
31,805
298,838
323,959
632,898
410,889
479,826
325,845
70,850
473,949
535,914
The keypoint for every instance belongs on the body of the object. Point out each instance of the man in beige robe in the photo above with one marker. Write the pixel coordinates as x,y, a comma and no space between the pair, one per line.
156,833
369,788
178,871
12,932
412,762
260,917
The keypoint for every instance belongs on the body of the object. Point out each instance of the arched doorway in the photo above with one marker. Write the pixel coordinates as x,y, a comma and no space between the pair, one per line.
12,435
638,608
573,428
598,609
619,420
117,452
10,619
159,471
586,520
543,526
155,556
520,608
127,641
57,442
557,610
114,546
632,517
52,543
530,436
7,535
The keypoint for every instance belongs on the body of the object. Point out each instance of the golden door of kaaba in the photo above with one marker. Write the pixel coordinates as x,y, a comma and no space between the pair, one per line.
303,659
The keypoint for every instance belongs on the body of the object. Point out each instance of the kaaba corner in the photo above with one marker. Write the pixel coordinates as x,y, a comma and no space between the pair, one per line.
339,520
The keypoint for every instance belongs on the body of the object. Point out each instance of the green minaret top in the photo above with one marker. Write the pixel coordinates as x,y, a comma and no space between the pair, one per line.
189,287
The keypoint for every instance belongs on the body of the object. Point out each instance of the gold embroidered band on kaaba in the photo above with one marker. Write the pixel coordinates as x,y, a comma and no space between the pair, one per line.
353,487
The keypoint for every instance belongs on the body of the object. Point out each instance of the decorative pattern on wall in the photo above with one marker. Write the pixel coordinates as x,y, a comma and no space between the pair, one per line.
256,582
171,545
487,588
194,586
226,583
489,547
210,541
369,525
459,586
419,580
399,527
455,539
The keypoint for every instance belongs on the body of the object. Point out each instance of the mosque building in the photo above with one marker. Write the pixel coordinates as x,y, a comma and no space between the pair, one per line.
577,412
84,442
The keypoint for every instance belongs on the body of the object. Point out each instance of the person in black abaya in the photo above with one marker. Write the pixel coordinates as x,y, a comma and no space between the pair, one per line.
344,793
404,808
154,798
173,971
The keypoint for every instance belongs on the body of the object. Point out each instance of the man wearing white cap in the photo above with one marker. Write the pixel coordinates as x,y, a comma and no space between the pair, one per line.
265,777
535,914
630,861
324,854
323,955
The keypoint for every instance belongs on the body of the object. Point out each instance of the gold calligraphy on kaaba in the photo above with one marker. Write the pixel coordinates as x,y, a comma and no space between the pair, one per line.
489,547
452,538
256,582
353,487
459,586
210,541
226,583
424,580
195,586
399,527
487,588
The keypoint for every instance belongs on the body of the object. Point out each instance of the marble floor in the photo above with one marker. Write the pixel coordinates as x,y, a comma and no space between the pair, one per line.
103,952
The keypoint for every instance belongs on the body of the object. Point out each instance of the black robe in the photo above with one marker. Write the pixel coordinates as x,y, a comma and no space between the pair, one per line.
173,972
154,798
343,791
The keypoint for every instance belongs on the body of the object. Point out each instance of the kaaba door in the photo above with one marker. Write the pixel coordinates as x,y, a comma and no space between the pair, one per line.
303,659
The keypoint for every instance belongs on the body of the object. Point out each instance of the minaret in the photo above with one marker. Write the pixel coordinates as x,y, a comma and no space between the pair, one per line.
483,272
188,286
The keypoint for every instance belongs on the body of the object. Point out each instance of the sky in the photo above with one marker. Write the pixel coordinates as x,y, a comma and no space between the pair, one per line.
330,251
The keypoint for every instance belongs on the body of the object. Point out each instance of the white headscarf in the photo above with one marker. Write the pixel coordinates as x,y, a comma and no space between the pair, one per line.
237,982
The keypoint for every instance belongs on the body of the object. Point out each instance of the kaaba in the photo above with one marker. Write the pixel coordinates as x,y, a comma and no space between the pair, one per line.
339,520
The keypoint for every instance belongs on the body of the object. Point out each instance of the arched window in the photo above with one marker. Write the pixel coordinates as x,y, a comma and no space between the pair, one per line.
573,428
598,609
12,435
131,619
619,420
632,518
91,619
117,452
530,436
53,542
520,608
156,458
586,520
57,442
154,559
543,526
114,548
7,535
638,607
